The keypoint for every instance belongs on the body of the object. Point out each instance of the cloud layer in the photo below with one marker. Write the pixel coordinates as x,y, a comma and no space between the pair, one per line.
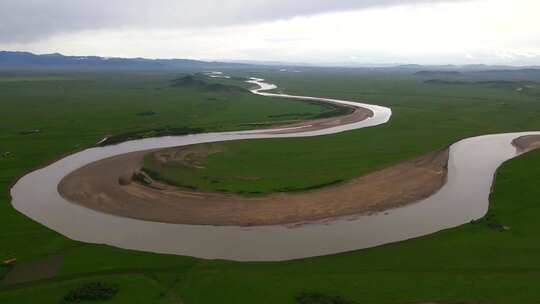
31,20
312,31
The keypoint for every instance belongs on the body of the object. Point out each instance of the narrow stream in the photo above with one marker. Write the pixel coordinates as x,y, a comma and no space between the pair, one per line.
464,197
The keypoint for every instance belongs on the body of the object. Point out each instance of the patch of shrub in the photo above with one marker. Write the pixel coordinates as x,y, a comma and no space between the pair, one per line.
319,298
289,115
337,111
95,291
4,269
159,132
146,113
188,80
494,225
124,180
312,187
198,81
223,87
30,132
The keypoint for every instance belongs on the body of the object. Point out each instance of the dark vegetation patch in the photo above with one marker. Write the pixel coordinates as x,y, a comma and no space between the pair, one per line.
336,111
491,222
146,113
289,114
236,78
521,86
4,78
188,80
4,270
30,132
319,298
247,193
496,83
197,81
159,132
333,109
311,187
521,73
95,291
266,123
217,87
438,73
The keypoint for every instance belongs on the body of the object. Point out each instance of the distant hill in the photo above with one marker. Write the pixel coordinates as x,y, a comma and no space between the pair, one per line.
30,60
27,60
188,80
438,73
198,81
468,68
483,82
525,72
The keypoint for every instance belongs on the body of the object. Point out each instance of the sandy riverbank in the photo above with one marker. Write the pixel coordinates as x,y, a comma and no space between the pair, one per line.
527,143
96,186
358,114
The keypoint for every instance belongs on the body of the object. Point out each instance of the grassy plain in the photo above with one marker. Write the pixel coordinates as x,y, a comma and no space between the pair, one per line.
425,117
469,263
76,113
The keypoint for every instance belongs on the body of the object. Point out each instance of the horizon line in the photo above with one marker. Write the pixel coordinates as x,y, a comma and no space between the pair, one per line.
262,62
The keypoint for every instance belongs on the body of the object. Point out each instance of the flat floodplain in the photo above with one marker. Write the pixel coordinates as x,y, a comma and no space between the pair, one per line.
426,117
472,263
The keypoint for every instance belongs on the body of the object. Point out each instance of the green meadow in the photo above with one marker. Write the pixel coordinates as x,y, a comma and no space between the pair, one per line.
31,78
425,117
474,263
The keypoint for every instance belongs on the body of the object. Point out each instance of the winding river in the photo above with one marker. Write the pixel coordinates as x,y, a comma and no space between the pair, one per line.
463,198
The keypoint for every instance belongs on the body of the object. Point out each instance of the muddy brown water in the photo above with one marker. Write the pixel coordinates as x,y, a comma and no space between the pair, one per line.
464,197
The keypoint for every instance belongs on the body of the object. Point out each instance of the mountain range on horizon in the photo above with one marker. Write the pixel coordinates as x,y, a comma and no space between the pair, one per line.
16,59
21,59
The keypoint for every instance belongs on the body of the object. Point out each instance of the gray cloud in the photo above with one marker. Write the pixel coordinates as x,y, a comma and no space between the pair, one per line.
30,20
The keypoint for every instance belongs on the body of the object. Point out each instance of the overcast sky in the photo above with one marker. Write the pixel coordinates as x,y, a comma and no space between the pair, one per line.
311,31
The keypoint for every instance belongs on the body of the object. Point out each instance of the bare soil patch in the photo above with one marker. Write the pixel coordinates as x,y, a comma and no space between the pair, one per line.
96,186
40,269
527,143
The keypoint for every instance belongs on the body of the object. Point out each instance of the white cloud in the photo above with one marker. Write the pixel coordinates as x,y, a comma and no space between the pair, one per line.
28,20
484,31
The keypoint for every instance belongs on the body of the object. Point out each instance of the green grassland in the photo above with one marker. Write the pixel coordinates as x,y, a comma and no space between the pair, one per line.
31,78
425,117
469,263
92,106
42,120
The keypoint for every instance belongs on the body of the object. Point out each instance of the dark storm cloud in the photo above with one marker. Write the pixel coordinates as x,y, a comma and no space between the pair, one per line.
28,20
